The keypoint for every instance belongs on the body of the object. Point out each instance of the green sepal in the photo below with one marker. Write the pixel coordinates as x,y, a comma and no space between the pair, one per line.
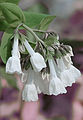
58,54
48,55
51,39
63,51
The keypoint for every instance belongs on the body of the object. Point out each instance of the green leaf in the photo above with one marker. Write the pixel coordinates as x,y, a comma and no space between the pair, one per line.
33,19
6,46
12,13
45,22
3,25
41,21
10,1
11,80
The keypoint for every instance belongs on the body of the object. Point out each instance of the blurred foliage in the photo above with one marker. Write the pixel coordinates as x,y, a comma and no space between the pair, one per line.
38,8
10,1
11,80
73,43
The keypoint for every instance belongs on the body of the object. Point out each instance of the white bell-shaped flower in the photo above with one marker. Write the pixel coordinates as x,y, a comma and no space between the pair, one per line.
67,76
36,59
13,63
55,86
30,92
70,76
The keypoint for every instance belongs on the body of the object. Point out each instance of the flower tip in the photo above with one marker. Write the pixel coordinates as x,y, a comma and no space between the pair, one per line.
56,87
37,62
13,65
29,93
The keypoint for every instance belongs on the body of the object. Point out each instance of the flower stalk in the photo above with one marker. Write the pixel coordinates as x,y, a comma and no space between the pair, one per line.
35,36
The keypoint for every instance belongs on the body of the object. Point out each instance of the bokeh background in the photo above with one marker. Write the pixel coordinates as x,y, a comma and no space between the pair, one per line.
69,25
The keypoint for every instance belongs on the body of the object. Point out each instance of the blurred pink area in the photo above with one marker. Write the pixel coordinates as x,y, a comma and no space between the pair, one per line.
77,111
30,111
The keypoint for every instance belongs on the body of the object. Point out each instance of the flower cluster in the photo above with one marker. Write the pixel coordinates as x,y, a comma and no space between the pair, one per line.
50,68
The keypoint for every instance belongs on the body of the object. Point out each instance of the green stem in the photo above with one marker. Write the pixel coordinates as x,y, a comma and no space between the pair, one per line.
31,31
35,30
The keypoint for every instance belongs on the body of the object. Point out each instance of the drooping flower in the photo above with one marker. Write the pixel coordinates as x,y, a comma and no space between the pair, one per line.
36,59
13,63
55,86
67,75
30,92
70,76
41,84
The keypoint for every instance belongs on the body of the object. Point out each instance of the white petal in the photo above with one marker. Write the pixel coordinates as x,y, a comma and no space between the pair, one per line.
13,65
67,78
56,87
15,50
75,72
29,93
29,48
60,65
37,62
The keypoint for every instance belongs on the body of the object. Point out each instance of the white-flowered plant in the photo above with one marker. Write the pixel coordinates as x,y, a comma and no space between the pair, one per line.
45,68
44,63
13,64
